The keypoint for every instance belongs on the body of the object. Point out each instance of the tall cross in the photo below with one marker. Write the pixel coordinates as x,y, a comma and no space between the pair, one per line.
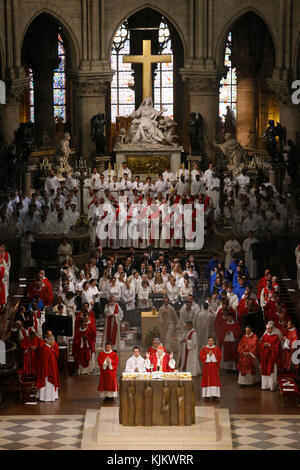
147,60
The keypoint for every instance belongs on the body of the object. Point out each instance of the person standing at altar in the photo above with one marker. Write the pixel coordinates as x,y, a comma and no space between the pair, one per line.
248,365
156,342
210,357
48,381
108,361
135,363
113,317
160,361
168,325
270,350
288,339
189,359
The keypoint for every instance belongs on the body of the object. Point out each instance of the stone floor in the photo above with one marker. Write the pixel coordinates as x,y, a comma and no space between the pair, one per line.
64,432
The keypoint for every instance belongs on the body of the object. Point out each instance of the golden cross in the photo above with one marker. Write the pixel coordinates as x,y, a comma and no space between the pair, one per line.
147,59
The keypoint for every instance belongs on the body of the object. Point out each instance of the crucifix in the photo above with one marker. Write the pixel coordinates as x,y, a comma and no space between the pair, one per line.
147,60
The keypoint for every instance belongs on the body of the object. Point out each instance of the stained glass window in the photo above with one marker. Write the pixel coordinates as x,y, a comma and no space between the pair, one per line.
228,88
122,96
164,79
59,83
59,86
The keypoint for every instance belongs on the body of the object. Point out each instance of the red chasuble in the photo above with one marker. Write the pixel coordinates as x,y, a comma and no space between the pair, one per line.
108,377
269,356
78,319
246,364
230,348
30,357
84,345
47,367
45,293
165,363
211,370
261,285
152,350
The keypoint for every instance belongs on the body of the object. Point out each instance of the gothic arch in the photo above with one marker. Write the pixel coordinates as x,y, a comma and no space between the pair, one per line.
220,44
68,31
159,10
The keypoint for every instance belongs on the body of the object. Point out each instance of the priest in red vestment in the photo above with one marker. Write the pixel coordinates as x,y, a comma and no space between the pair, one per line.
83,348
48,381
248,365
288,350
155,343
210,357
270,350
160,361
108,362
263,282
85,308
40,289
113,317
30,345
228,340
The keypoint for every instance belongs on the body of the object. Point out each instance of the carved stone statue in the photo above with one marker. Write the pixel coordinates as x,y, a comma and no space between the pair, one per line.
131,404
149,127
196,133
63,153
98,124
235,155
230,122
24,141
180,403
148,394
166,405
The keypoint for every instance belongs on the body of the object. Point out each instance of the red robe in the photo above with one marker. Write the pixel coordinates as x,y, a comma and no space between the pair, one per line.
291,336
47,367
2,286
242,309
211,370
108,378
78,319
230,349
269,356
165,363
45,293
31,356
246,364
87,339
152,350
261,285
219,320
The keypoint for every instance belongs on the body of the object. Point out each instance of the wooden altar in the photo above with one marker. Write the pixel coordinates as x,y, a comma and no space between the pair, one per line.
157,403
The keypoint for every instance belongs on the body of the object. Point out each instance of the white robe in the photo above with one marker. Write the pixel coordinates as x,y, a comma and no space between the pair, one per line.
128,295
249,261
135,362
109,311
231,247
204,326
192,363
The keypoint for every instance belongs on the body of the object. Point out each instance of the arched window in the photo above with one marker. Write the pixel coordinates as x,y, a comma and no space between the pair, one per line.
59,86
228,88
122,96
164,80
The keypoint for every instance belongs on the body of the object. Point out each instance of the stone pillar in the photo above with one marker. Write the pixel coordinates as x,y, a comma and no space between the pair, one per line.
90,98
10,113
43,98
246,98
203,91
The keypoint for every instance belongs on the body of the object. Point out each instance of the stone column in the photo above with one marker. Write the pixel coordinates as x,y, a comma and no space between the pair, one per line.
90,97
203,91
43,98
10,113
246,98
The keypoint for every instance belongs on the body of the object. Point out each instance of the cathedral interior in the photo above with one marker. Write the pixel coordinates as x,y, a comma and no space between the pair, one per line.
72,100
